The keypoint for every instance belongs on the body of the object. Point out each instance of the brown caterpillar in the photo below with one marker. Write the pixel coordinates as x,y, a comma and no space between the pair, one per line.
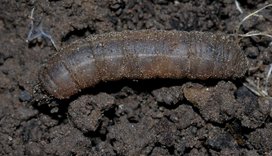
142,54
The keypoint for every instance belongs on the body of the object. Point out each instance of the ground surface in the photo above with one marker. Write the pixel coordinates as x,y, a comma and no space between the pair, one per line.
152,117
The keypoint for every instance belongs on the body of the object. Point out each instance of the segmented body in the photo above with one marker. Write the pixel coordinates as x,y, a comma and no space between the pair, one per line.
142,54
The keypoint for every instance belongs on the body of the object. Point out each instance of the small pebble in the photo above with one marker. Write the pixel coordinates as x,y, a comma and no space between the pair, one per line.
25,96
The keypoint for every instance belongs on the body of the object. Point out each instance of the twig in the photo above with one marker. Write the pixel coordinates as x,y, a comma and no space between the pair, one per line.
255,33
250,15
267,78
250,84
255,87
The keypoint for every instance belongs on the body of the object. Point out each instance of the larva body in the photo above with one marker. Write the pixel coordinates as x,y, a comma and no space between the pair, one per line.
142,55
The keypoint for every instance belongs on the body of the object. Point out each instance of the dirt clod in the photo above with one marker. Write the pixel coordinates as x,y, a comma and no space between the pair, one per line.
169,96
215,106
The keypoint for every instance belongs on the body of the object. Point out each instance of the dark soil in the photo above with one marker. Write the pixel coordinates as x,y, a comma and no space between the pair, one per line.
147,117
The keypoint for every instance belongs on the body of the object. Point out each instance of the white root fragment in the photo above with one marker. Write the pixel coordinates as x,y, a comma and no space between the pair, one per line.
37,32
238,6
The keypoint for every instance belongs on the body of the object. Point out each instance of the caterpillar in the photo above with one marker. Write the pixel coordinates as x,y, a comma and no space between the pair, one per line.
145,54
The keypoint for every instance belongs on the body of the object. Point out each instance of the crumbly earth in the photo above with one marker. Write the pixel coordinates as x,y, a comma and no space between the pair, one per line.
147,117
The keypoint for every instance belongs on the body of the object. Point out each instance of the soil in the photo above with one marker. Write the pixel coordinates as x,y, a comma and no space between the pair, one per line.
147,117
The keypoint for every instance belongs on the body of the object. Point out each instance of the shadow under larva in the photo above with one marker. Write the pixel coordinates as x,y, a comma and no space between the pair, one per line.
144,54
